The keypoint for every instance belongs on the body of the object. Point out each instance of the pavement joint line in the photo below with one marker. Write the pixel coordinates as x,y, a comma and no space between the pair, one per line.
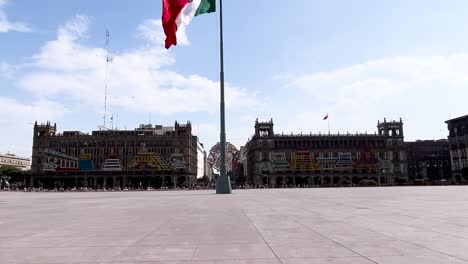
396,212
432,230
258,231
334,241
134,243
409,242
140,245
390,221
412,226
194,252
408,225
372,231
40,233
163,261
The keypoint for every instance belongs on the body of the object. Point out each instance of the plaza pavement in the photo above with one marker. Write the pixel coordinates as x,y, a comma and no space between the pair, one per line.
343,225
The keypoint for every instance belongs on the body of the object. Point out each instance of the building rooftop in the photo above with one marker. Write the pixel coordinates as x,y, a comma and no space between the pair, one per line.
13,156
460,118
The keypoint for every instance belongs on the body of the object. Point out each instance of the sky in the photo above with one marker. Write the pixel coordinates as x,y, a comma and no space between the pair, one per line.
359,61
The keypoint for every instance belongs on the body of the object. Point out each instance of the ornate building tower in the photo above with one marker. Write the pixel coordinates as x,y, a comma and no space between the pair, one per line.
264,129
396,151
41,133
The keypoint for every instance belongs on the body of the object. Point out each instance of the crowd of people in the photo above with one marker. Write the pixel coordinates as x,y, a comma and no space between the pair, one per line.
211,186
99,189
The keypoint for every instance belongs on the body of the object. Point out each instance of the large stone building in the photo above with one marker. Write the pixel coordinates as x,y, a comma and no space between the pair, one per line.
458,144
326,159
11,160
429,161
145,157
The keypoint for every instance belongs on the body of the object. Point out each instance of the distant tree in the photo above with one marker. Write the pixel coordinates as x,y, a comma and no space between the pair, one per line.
16,174
204,180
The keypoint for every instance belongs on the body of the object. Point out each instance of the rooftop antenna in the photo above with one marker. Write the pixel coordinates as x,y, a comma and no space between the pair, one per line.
112,121
107,70
149,118
117,122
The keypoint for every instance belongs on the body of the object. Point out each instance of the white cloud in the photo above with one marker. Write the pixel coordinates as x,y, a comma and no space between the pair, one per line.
16,121
138,80
424,91
6,25
5,69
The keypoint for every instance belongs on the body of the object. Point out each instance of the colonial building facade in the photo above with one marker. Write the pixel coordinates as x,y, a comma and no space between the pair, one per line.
11,160
280,160
145,157
458,144
429,161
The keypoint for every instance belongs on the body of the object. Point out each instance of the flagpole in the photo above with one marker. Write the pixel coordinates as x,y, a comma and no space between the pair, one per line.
223,184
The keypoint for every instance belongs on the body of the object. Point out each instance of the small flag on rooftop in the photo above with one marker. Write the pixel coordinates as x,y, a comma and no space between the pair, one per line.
177,13
325,117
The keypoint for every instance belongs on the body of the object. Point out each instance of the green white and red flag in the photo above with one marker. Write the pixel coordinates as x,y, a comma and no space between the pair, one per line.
179,13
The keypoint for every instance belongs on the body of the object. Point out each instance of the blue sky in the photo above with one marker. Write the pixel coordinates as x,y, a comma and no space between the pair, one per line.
292,61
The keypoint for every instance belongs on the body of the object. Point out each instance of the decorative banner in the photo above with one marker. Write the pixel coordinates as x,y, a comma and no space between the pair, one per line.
266,167
214,158
345,161
178,164
279,162
367,159
50,165
56,154
385,166
328,163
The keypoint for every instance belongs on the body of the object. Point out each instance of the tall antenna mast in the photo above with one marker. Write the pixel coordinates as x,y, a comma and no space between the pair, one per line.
107,70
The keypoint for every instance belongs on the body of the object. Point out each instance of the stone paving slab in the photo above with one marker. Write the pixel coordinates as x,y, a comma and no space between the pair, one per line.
278,226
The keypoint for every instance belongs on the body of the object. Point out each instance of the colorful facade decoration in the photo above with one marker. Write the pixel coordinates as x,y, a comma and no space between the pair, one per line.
344,161
232,156
178,164
149,160
86,162
367,159
303,160
112,163
57,161
50,165
277,163
328,163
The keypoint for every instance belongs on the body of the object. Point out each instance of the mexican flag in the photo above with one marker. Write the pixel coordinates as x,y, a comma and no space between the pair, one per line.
179,13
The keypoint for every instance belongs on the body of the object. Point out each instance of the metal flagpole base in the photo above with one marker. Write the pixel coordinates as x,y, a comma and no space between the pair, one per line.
223,185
